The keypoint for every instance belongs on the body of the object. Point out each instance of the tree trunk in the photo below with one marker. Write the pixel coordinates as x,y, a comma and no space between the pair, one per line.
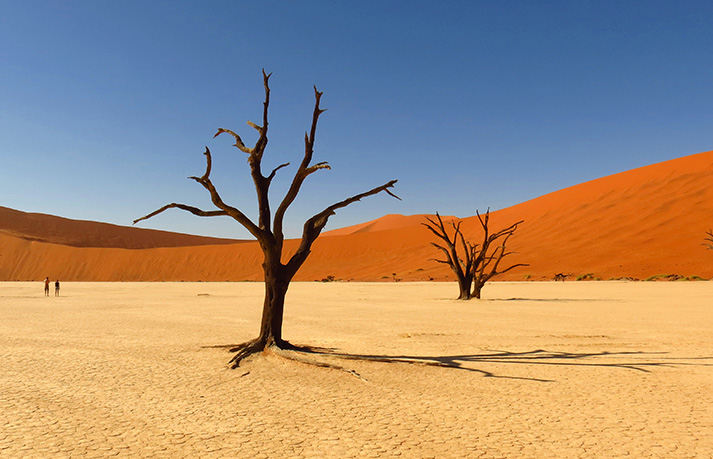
476,290
276,284
464,284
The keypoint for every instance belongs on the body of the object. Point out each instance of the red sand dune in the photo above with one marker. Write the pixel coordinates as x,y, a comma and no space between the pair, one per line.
387,222
643,222
79,233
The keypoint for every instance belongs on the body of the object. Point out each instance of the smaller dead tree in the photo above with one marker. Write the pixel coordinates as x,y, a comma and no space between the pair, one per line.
709,240
473,264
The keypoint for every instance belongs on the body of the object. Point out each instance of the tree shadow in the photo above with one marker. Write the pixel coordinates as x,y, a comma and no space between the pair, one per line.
628,360
556,300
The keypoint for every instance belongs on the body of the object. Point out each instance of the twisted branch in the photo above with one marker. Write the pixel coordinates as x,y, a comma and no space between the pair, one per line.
193,210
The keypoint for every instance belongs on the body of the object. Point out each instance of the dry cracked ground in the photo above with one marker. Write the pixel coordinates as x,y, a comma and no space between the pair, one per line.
535,370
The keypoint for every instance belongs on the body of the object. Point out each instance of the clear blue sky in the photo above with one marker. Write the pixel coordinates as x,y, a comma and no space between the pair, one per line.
106,106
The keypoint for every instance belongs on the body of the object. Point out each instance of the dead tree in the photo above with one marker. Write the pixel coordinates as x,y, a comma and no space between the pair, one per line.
473,264
269,231
709,240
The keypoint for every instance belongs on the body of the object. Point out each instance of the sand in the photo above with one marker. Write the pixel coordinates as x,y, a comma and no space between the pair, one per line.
605,369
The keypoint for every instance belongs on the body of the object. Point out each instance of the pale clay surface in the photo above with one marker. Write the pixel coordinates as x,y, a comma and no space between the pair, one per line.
573,370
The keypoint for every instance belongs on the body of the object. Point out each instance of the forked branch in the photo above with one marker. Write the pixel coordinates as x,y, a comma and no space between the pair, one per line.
461,265
709,240
303,171
488,262
224,209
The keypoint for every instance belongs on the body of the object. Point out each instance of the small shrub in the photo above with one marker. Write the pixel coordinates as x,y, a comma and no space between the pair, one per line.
673,278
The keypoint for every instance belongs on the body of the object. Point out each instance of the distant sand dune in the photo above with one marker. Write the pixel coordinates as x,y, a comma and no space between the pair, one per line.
79,233
638,223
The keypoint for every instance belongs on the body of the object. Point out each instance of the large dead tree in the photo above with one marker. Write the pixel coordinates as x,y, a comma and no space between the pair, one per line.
473,264
268,230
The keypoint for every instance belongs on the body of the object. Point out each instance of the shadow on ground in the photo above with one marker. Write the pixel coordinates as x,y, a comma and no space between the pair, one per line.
628,360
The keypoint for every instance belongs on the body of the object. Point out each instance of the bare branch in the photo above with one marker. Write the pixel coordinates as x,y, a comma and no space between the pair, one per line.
709,239
314,226
193,210
513,266
392,195
265,104
316,167
445,252
445,262
318,221
208,166
302,171
439,229
463,271
255,126
225,209
238,141
274,171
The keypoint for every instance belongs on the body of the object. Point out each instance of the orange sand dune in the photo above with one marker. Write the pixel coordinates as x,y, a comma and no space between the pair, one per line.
639,223
387,222
78,233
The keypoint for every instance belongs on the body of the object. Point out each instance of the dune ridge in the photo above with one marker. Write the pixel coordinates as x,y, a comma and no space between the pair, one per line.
387,222
639,223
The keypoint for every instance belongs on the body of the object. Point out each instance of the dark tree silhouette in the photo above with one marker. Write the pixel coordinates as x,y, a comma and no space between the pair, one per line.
269,232
473,265
709,239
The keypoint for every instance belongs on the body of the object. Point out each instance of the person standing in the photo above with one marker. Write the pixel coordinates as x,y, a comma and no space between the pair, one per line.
47,286
56,288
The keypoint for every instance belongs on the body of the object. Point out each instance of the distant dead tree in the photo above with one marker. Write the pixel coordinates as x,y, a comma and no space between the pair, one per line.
269,232
709,239
473,264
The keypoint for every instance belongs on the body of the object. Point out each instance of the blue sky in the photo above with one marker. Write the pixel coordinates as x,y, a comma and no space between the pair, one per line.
106,107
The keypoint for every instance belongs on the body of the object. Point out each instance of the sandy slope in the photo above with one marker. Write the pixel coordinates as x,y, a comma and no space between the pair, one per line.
80,233
574,370
387,222
639,223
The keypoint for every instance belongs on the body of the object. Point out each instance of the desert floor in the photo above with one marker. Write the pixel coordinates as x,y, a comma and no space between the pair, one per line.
598,369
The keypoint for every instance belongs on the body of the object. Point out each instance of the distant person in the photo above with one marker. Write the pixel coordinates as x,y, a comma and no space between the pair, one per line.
47,286
56,288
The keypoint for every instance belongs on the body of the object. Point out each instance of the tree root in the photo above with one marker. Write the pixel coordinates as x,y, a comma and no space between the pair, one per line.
304,354
244,350
285,350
